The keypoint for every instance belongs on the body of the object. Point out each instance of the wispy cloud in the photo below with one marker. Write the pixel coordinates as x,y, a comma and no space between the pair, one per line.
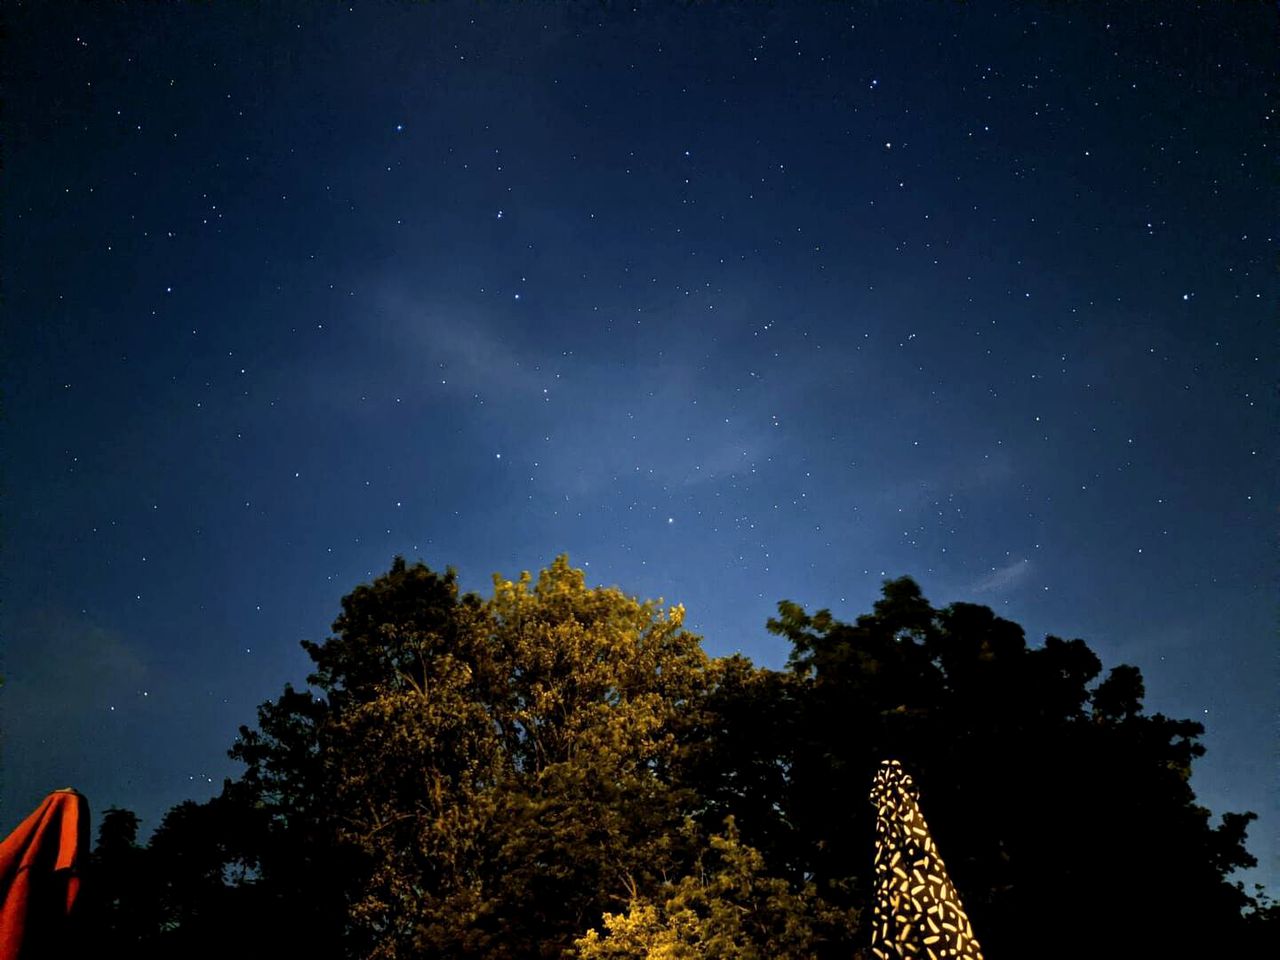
453,341
1003,578
61,664
64,677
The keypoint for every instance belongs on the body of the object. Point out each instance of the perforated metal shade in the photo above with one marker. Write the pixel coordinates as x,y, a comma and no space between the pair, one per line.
917,910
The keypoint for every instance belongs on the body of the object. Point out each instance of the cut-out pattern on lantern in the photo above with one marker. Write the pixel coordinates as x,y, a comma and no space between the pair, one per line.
917,910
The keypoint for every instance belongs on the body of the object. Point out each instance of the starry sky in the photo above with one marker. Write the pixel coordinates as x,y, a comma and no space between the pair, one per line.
730,302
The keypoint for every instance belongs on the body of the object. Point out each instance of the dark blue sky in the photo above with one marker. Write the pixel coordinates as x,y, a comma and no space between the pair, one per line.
731,302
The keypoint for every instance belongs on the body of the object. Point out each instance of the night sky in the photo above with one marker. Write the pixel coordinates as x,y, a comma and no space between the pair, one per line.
730,302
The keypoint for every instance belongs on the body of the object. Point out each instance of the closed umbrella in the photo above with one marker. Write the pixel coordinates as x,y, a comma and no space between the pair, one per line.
40,865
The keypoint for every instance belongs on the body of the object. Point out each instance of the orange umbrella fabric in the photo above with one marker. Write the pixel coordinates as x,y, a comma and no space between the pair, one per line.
40,865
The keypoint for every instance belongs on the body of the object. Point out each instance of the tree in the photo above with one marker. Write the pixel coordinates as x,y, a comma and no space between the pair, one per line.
117,912
727,908
192,890
738,759
296,869
1262,926
495,777
1061,805
499,772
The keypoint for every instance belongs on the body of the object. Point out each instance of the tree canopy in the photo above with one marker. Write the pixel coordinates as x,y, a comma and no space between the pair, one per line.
559,770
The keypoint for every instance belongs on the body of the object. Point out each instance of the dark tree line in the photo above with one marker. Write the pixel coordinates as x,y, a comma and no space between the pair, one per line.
560,771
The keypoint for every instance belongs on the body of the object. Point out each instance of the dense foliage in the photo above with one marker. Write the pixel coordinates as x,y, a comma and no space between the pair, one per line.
559,770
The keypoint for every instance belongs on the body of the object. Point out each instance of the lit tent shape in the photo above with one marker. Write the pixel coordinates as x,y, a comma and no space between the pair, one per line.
917,910
40,865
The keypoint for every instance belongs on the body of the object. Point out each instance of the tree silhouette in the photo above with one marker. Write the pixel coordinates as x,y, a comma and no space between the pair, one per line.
493,777
116,904
1061,805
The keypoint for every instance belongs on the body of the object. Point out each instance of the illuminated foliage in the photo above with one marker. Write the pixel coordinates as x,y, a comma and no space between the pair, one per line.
534,773
503,767
727,908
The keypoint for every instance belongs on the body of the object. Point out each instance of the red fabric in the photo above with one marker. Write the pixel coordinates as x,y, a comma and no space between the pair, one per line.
39,877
